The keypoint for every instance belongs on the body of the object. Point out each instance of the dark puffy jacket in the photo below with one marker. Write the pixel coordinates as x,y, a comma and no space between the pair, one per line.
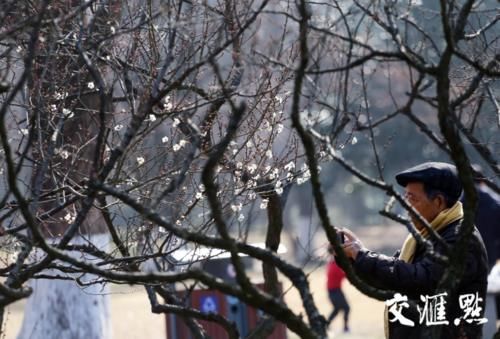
487,222
421,277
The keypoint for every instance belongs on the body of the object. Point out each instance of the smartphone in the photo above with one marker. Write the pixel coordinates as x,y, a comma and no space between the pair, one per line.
341,237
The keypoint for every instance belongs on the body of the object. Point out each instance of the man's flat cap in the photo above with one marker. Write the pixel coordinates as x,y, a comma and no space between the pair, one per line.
437,175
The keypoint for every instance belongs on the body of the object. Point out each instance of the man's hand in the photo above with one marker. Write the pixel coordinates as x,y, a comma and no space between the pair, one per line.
352,244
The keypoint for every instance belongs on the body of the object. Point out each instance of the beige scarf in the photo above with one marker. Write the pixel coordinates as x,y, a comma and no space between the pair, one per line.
443,219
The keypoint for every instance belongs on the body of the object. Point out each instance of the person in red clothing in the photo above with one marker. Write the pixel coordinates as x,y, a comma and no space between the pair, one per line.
335,276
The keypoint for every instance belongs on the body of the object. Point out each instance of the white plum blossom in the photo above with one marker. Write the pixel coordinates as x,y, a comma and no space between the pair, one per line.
252,168
152,117
68,113
251,184
167,104
237,208
290,166
178,223
300,181
278,187
263,204
180,145
252,195
162,229
24,131
241,217
354,141
279,128
239,165
140,160
269,154
69,218
176,122
274,173
90,85
164,139
199,195
60,95
118,127
306,174
64,154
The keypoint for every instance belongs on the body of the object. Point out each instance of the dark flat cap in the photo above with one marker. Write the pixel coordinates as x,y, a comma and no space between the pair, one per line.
437,175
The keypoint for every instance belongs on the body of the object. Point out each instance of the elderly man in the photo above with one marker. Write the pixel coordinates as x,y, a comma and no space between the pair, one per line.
433,189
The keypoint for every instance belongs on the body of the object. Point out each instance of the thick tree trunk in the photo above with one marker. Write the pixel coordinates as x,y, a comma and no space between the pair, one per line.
64,309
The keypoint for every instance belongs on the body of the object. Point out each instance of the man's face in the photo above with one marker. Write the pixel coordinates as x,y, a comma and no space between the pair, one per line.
428,208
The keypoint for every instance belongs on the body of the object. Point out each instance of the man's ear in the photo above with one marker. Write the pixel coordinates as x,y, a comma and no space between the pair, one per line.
441,201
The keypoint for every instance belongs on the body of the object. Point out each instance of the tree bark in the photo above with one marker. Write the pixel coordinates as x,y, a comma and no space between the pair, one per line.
63,309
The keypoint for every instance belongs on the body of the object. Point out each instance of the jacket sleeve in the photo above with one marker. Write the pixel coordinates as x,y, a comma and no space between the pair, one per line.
392,273
422,276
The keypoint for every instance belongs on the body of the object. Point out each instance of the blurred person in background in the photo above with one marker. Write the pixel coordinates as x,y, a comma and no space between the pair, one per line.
487,221
335,276
487,218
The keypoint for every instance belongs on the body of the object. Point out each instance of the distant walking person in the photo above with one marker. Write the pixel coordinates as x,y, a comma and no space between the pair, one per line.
487,219
335,276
